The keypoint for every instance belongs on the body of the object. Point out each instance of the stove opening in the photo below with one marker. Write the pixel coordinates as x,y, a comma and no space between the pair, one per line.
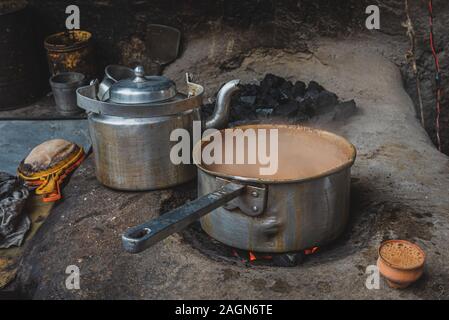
218,251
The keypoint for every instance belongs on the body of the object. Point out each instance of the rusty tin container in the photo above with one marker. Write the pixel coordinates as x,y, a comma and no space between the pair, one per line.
71,51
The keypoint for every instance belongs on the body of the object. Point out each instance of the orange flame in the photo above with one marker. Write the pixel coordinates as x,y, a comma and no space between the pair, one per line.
252,257
310,251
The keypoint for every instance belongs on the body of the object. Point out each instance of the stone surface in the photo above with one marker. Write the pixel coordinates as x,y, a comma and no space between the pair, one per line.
43,109
399,190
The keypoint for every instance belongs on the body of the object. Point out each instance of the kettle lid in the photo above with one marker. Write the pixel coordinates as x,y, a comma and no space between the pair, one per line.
142,89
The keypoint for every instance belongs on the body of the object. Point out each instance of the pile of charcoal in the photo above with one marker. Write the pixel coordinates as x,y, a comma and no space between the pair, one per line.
278,99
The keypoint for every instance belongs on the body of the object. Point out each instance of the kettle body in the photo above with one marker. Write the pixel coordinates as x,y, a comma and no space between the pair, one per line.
134,153
132,140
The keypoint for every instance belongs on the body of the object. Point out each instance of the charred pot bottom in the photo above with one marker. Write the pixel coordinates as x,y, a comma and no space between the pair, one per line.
217,251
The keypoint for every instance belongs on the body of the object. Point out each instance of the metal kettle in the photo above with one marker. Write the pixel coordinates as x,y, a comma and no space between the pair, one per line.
130,127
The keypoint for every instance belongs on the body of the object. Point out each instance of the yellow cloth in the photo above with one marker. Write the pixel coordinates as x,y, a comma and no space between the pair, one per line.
47,166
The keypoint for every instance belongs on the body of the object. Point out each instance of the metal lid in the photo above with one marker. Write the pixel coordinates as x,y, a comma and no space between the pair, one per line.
142,89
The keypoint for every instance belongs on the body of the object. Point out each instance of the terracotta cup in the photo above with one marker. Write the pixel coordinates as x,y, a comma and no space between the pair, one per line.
400,262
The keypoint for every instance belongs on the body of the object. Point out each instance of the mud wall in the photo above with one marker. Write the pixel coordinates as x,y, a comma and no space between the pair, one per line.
120,28
419,16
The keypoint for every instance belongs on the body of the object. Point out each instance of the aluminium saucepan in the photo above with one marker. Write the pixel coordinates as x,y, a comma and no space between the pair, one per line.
305,204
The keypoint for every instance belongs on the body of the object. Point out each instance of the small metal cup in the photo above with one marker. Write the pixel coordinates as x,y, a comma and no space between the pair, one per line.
64,87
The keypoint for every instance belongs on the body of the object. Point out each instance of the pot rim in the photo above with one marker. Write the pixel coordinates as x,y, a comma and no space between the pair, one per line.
53,47
76,79
346,165
392,265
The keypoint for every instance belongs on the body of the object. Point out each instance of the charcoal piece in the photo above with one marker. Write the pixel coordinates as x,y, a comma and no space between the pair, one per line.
325,102
326,98
275,94
283,98
314,86
311,94
286,91
242,112
289,109
269,101
307,107
288,259
249,100
301,118
344,110
299,89
264,113
207,110
313,91
271,81
249,90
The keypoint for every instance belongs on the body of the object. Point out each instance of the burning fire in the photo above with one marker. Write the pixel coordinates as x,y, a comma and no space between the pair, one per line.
252,256
310,251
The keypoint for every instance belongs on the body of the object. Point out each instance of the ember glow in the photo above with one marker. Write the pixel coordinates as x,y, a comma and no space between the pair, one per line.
250,256
310,251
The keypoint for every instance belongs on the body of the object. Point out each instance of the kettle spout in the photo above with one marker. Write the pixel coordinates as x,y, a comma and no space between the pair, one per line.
220,117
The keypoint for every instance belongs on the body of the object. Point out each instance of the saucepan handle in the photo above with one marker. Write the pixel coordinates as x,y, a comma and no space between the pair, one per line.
138,238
